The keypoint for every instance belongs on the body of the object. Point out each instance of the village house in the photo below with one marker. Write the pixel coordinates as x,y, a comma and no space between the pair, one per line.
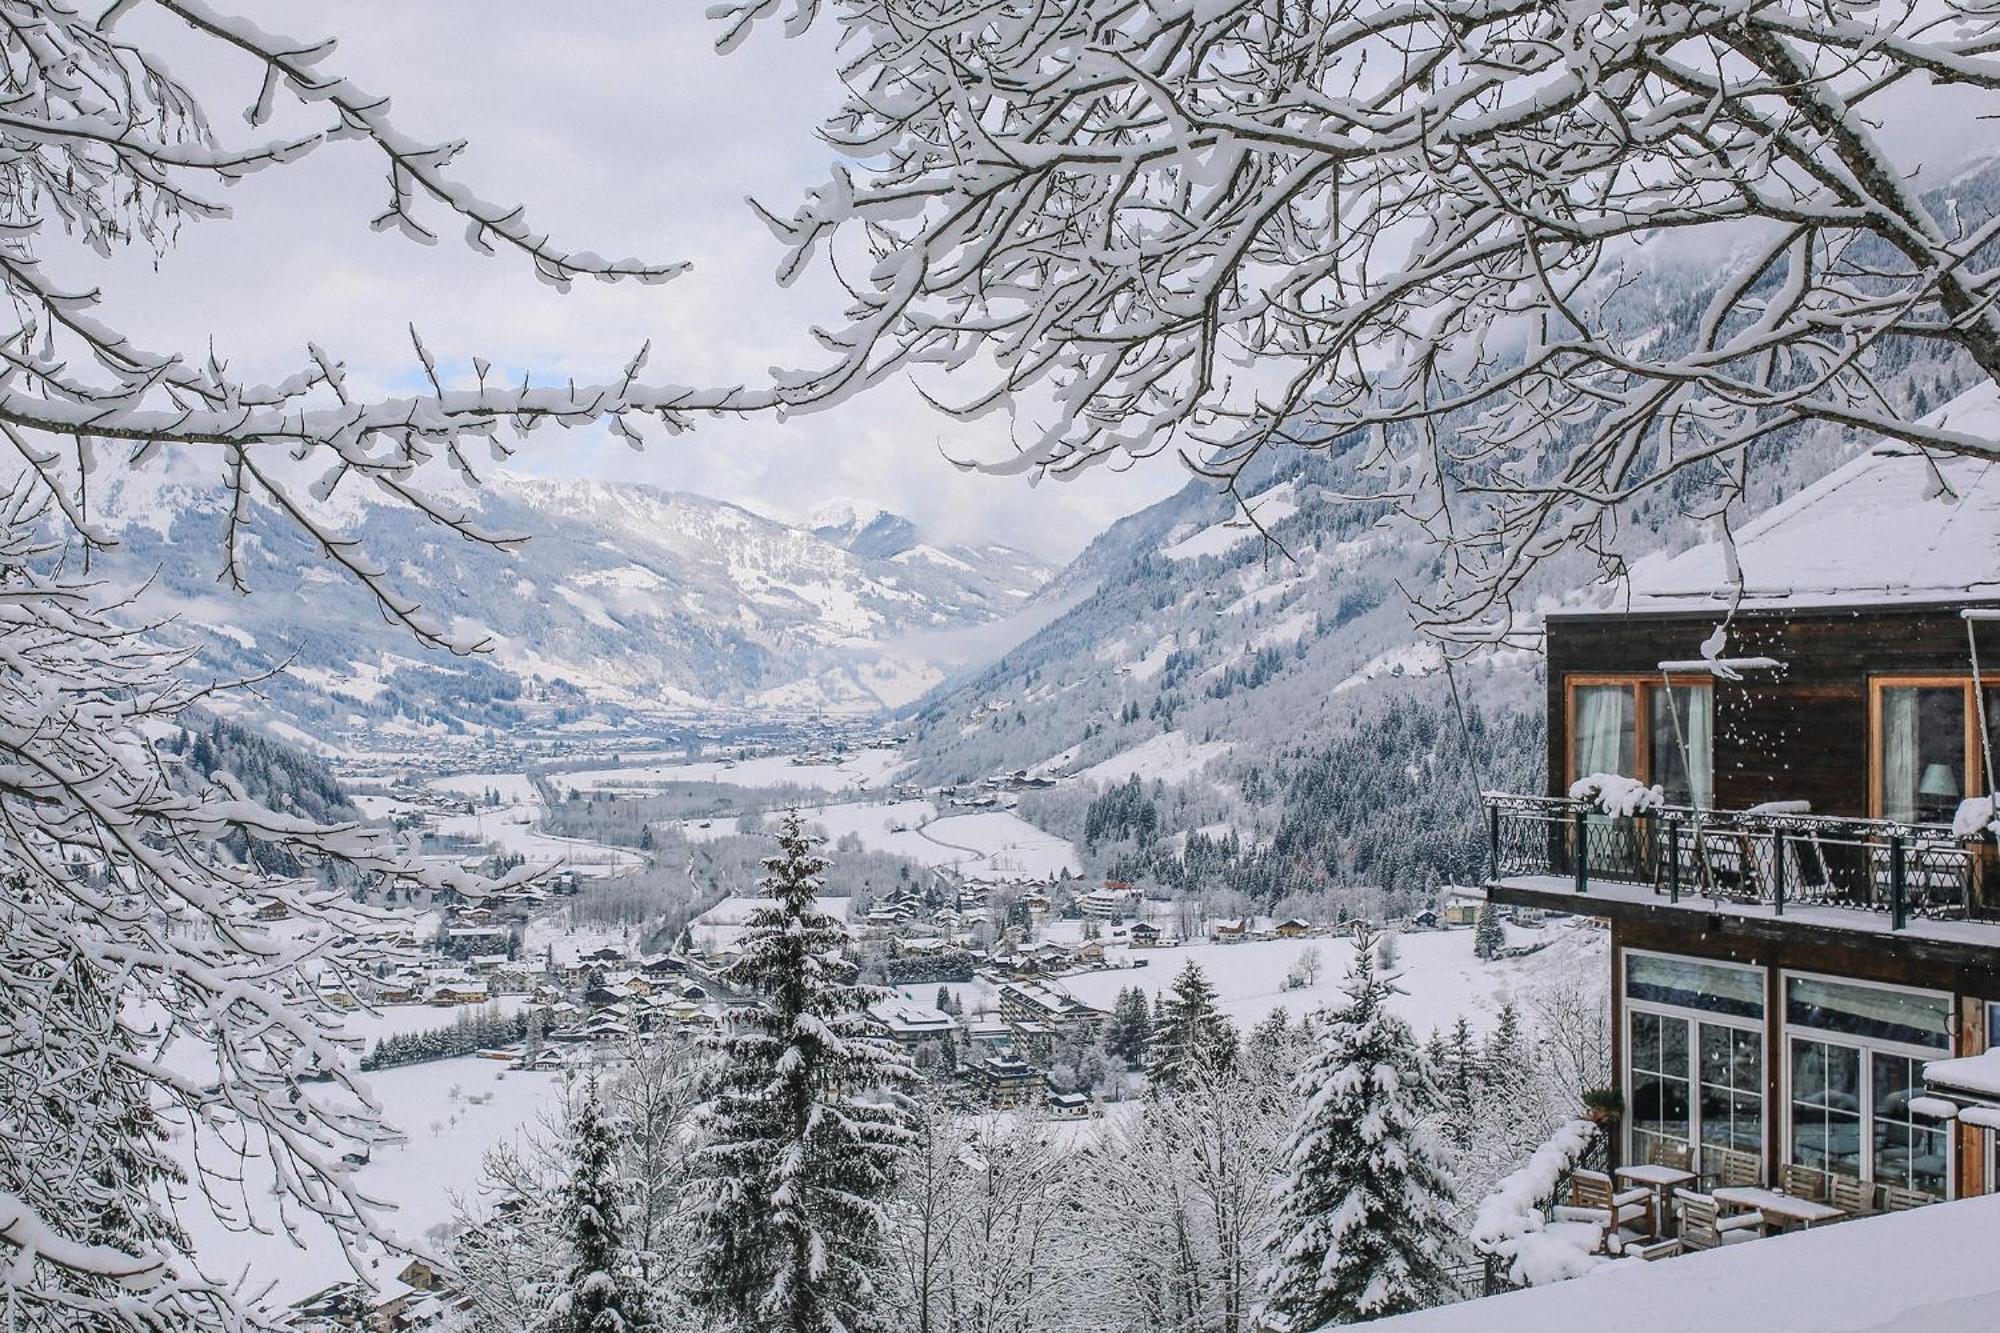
1025,1002
1229,930
1776,796
909,1023
1291,928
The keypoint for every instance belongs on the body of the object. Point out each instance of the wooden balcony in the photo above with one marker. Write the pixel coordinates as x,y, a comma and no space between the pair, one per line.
1774,872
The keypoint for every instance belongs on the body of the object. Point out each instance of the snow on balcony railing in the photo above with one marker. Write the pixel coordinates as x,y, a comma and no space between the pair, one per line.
1513,1226
1775,855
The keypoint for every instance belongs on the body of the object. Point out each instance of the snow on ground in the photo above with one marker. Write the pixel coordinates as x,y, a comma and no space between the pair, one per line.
1169,756
452,1111
1928,1270
1437,971
996,843
512,825
1415,659
858,770
515,787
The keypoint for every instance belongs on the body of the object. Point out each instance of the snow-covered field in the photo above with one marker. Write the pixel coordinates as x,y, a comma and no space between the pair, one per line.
451,1110
512,825
857,771
996,843
1440,977
1169,756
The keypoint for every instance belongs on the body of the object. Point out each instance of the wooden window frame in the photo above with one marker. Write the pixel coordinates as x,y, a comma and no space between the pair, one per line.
1642,685
1975,759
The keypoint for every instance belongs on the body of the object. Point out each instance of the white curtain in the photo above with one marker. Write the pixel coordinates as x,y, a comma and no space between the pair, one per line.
1899,754
1603,740
1697,705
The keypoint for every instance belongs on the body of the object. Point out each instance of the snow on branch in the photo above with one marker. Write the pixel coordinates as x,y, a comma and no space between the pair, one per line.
98,142
1450,235
138,983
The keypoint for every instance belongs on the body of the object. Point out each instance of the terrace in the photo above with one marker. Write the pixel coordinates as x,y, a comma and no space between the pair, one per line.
1856,874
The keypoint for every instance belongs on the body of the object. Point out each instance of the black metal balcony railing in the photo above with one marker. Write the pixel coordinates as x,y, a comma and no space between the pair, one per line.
1778,860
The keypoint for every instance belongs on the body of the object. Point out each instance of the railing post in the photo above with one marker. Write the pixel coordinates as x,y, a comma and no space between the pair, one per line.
1898,908
1673,858
1580,853
1778,871
1492,842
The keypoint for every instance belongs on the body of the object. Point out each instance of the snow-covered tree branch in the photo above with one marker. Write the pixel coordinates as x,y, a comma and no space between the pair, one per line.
139,992
1414,229
99,144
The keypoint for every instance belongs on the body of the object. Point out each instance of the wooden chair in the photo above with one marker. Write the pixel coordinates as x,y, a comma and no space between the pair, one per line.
1729,1167
1851,1195
1591,1200
1804,1182
1704,1228
1897,1199
1666,1152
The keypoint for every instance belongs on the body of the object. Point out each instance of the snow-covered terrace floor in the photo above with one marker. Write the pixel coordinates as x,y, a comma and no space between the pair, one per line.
1958,941
1931,1270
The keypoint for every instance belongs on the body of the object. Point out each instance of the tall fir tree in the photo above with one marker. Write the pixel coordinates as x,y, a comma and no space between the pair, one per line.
1488,936
1189,1031
1130,1030
602,1290
807,1122
1365,1202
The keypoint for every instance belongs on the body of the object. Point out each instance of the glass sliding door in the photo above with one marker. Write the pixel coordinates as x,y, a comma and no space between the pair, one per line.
1659,1064
1732,1088
1694,1055
1826,1106
1909,1149
1857,1055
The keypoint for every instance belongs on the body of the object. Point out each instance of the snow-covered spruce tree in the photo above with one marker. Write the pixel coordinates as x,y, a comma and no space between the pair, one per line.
1190,1033
1348,219
603,1289
1366,1199
1489,937
128,931
806,1125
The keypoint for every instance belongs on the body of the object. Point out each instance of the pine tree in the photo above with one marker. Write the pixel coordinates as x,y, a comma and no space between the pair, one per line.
1130,1030
807,1122
602,1291
1189,1031
1488,938
1462,1077
1365,1205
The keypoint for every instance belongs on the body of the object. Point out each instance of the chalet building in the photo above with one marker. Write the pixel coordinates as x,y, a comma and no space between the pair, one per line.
1797,929
1025,1002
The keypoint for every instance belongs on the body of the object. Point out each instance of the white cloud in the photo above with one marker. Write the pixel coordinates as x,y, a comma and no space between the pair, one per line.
621,130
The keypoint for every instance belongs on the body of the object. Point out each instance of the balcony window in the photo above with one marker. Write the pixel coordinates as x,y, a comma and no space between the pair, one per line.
1926,753
1605,729
1646,729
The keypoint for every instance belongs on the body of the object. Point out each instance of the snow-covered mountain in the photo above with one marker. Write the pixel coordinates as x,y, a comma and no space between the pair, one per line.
628,593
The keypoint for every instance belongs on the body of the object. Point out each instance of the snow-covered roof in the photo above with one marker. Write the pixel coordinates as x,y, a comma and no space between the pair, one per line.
1968,1076
910,1018
1891,526
1929,1268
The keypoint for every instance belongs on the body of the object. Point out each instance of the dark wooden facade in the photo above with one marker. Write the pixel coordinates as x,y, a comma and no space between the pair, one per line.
1801,733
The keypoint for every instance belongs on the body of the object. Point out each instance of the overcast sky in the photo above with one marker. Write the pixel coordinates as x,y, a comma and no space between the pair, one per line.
622,131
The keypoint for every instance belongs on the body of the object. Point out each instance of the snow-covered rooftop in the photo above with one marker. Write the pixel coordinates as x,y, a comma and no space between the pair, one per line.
1929,1270
1893,525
